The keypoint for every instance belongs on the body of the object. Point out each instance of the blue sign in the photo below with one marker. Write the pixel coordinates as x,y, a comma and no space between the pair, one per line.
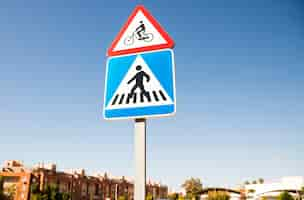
140,85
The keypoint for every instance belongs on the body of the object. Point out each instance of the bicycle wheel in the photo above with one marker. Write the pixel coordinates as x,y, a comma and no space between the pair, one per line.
148,37
129,40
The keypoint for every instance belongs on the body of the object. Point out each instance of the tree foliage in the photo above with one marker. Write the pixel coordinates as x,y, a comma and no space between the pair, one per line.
258,181
193,187
285,196
263,198
2,196
122,197
218,195
181,197
51,192
302,193
7,193
251,191
149,197
10,192
173,196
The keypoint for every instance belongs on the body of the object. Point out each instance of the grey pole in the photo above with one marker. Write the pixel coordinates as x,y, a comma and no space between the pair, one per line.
140,160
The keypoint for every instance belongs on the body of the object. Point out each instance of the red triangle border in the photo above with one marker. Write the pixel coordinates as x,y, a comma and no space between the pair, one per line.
163,33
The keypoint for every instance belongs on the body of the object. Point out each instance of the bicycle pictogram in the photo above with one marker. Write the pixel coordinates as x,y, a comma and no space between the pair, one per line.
139,34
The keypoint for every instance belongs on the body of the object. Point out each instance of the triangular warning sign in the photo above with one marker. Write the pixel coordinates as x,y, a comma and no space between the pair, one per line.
139,88
140,33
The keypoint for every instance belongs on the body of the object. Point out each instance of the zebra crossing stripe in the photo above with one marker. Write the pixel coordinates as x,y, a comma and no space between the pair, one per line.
162,95
121,98
157,96
128,98
115,99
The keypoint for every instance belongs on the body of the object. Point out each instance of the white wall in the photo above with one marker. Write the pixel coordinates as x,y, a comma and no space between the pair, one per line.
285,183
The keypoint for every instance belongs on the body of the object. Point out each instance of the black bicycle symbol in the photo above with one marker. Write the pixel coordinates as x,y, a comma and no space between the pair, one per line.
147,37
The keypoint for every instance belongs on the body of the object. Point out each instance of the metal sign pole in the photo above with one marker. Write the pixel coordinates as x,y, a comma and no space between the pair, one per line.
140,160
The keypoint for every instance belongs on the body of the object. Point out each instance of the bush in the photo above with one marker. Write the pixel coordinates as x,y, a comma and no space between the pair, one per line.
285,196
149,197
122,197
218,195
173,196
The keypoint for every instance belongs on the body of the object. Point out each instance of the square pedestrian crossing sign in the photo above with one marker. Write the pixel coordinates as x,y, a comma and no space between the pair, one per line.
140,85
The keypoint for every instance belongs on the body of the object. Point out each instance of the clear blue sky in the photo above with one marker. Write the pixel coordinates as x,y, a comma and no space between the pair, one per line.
240,89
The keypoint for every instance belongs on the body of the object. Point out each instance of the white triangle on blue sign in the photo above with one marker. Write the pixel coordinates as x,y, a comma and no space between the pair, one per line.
147,90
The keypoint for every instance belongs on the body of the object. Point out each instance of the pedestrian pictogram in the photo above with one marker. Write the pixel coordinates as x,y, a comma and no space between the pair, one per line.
140,33
139,81
146,85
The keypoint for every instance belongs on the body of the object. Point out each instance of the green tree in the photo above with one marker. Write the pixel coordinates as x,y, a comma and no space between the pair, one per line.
51,192
173,196
66,196
251,191
1,184
218,195
263,198
285,196
10,192
193,188
181,197
2,195
261,180
34,188
36,194
302,193
149,197
254,182
122,197
39,196
246,183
